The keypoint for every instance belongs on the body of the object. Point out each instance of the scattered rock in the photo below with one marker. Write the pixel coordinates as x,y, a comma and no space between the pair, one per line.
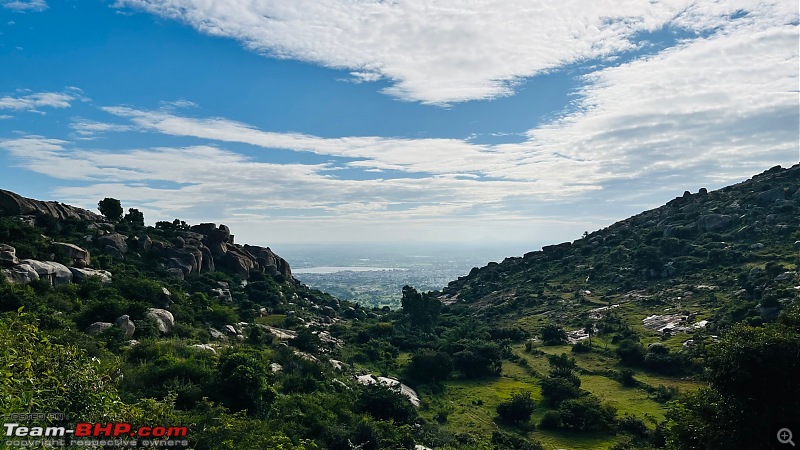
8,255
216,334
716,222
20,274
126,324
98,327
757,246
205,347
80,257
390,383
79,275
114,241
163,318
57,274
770,196
785,276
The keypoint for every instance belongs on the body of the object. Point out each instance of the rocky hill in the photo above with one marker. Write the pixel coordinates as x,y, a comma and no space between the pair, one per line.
739,242
655,332
182,250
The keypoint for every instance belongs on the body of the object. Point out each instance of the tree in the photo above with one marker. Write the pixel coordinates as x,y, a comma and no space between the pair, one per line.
242,382
518,409
630,352
111,209
430,365
422,309
134,217
754,386
553,334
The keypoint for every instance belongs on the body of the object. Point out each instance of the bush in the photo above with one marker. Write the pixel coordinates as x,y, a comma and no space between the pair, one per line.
630,352
581,347
551,420
553,335
507,441
633,426
626,378
383,403
587,414
557,389
518,409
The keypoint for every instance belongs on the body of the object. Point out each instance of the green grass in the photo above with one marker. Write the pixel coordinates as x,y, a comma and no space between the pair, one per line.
627,400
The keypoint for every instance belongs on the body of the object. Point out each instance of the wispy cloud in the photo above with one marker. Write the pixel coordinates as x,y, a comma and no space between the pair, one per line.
450,51
87,129
24,6
32,102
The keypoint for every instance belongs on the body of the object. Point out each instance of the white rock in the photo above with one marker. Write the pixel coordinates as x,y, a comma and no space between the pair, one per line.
163,318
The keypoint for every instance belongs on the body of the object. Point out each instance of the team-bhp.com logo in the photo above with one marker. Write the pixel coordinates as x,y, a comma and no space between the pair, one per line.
120,434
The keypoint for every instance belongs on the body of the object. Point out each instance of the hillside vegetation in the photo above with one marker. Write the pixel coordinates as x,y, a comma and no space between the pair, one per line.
676,328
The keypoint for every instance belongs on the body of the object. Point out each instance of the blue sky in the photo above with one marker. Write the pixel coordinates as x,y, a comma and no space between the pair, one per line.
344,121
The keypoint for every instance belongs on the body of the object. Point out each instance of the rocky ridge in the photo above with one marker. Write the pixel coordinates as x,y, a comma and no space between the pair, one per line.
200,248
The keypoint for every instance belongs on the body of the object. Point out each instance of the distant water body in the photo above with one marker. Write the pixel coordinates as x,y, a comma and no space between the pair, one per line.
334,269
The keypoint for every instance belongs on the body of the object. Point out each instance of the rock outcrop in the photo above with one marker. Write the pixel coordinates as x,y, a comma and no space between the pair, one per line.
12,204
203,248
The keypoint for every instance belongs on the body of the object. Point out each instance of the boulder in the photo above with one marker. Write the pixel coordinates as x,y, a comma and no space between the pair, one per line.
20,274
8,256
270,261
98,327
57,274
126,324
175,273
216,334
785,276
230,330
238,261
115,241
79,274
80,257
145,244
716,222
205,347
770,196
163,318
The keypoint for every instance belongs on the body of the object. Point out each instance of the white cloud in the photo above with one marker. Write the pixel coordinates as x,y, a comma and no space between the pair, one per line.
87,129
24,6
31,102
450,50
